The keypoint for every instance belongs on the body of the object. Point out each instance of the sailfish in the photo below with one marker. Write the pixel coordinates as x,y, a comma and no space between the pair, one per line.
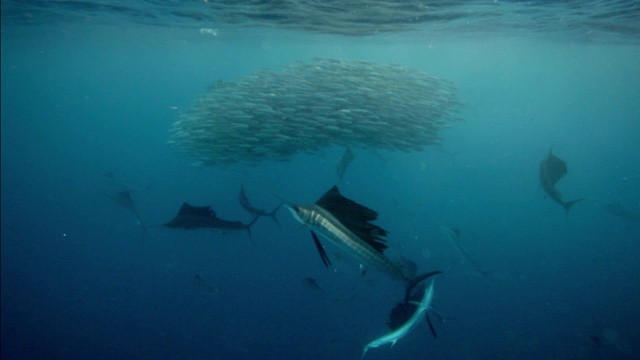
123,199
404,317
347,225
454,235
552,169
197,217
344,162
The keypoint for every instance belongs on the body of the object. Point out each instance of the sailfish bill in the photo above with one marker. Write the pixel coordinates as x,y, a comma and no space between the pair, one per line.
347,225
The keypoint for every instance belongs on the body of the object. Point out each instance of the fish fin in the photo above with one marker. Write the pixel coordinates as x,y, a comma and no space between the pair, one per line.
393,342
243,195
400,314
334,202
344,162
568,204
555,167
415,281
272,214
321,251
363,270
483,273
433,330
198,211
440,317
409,268
144,229
249,225
355,217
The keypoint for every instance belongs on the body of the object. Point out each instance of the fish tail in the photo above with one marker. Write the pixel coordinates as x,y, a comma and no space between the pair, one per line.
272,214
142,224
415,281
249,225
568,204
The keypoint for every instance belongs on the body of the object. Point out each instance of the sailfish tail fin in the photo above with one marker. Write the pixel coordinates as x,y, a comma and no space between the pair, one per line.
249,225
568,204
417,280
272,214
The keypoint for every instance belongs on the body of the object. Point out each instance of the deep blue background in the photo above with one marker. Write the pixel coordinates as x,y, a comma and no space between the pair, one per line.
79,281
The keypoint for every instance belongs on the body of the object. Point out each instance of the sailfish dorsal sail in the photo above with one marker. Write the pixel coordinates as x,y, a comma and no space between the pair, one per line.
355,217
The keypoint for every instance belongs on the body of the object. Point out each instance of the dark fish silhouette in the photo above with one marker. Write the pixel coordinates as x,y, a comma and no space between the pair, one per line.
347,224
344,162
552,169
454,235
622,212
246,204
606,346
195,217
203,284
311,283
404,318
123,199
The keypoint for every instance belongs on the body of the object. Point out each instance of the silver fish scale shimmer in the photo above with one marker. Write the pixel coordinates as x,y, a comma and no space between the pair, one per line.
273,115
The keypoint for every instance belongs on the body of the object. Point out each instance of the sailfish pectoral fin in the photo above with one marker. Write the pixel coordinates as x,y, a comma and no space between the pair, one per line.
363,270
321,251
433,330
364,352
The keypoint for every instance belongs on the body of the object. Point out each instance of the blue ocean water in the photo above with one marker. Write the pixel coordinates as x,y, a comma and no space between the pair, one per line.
91,88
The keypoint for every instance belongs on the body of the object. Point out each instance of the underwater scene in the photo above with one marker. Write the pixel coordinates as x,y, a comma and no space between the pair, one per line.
320,179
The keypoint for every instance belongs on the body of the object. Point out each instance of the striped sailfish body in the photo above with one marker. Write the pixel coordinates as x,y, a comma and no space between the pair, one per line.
324,223
347,225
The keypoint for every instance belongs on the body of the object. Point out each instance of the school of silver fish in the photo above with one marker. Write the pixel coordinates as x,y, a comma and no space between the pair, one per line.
308,106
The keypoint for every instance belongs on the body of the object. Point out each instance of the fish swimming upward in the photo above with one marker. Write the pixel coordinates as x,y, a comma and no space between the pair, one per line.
400,329
123,199
194,217
622,212
454,235
344,162
246,204
552,169
347,225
